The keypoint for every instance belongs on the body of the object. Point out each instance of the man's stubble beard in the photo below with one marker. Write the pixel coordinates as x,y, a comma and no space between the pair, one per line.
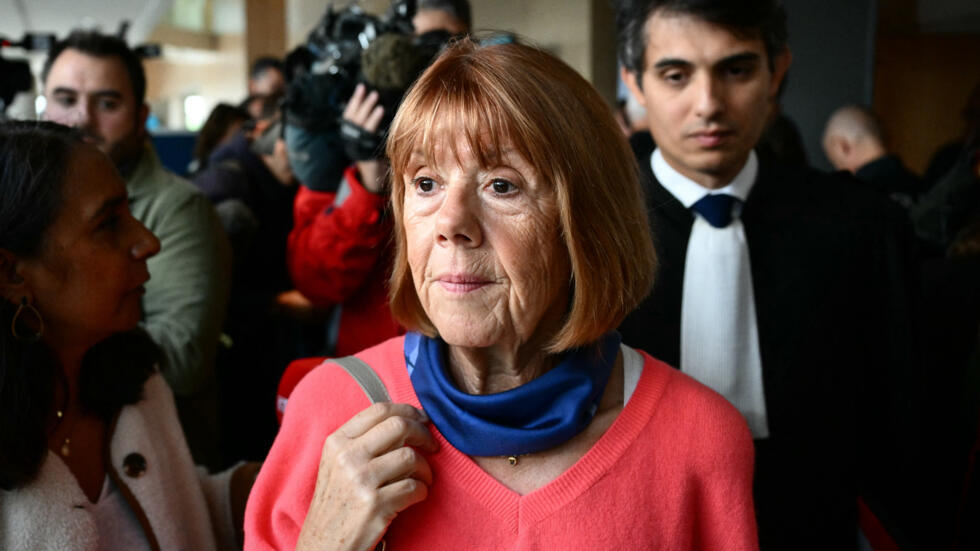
127,150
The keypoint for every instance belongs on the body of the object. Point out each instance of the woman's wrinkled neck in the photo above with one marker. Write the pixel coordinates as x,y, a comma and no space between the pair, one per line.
509,363
492,369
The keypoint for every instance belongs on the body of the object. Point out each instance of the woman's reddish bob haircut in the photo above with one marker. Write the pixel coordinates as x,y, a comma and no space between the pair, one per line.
536,104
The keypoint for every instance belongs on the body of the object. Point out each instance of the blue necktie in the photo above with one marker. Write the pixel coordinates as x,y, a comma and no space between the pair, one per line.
716,209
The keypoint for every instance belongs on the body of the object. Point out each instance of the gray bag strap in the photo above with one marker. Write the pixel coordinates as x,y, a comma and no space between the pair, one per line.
365,377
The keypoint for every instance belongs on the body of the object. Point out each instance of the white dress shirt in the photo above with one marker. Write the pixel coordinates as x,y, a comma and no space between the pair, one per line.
719,333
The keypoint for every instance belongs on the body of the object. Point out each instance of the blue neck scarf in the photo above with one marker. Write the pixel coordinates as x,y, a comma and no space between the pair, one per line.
533,417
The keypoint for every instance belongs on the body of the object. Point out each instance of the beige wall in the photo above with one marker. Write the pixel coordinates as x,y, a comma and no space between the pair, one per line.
578,31
922,82
559,26
265,29
218,76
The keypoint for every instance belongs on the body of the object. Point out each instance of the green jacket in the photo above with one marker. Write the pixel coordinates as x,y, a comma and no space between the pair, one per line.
187,295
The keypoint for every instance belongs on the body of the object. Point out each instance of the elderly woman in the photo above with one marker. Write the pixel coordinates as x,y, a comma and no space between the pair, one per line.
91,453
518,419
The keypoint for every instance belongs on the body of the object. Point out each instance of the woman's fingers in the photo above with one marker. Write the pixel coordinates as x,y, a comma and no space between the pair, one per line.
375,431
354,103
400,464
362,108
400,495
369,104
367,418
374,119
394,432
369,472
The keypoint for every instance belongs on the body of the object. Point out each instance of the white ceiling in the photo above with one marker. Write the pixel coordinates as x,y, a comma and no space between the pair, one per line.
61,16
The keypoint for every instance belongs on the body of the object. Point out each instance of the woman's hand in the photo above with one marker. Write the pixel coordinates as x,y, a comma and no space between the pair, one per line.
369,472
364,114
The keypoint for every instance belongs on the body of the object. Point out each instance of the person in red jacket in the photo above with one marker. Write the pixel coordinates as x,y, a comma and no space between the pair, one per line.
338,250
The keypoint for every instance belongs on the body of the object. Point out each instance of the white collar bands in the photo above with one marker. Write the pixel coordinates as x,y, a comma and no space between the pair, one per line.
688,191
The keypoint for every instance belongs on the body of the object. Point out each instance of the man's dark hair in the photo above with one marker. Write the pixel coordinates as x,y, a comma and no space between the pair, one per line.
222,117
459,9
263,64
764,19
96,44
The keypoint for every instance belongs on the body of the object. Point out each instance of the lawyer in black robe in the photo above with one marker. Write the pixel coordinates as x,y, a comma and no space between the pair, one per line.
830,265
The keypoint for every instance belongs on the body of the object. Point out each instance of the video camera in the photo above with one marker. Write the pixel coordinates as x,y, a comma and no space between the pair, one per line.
323,72
348,47
16,74
339,39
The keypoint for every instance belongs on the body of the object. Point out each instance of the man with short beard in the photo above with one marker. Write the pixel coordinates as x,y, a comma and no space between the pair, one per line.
96,84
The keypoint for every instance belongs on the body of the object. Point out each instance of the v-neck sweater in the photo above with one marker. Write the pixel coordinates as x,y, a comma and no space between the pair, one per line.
673,471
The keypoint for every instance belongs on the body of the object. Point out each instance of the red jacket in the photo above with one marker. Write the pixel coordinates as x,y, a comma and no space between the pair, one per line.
339,257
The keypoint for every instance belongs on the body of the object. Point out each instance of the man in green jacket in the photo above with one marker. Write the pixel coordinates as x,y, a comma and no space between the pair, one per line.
96,83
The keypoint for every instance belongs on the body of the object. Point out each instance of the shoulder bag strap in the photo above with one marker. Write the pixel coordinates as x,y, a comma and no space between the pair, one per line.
365,377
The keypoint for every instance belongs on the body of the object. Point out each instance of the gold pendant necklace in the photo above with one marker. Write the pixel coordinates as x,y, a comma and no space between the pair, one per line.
66,444
61,413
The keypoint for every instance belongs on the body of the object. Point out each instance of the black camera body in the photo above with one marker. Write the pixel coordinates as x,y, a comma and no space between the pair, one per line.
322,75
323,72
339,39
15,75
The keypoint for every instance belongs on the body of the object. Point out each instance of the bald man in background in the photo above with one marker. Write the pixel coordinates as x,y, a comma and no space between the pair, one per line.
853,141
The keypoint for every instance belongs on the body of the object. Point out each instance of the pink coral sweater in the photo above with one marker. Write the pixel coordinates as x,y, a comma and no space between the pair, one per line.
673,471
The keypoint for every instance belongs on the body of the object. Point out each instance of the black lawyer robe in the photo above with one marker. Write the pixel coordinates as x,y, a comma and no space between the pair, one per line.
831,263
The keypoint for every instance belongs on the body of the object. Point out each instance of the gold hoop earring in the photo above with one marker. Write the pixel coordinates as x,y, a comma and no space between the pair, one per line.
32,337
